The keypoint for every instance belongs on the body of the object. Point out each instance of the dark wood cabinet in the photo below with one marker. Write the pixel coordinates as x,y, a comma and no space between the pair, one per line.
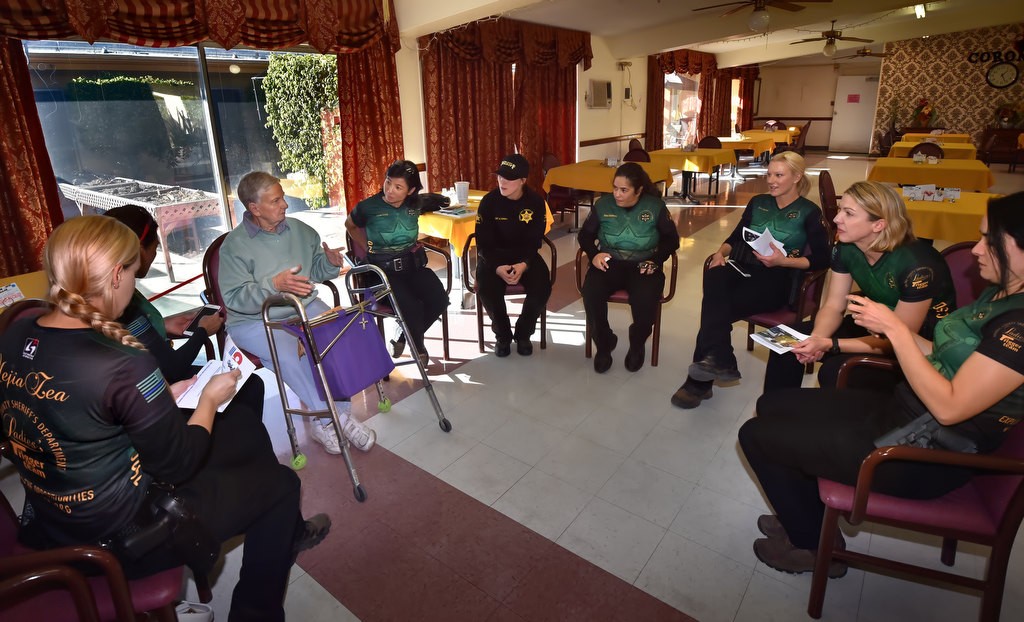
999,146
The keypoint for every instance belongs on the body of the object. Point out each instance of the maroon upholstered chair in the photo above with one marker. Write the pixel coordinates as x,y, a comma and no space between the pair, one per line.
634,143
829,201
469,283
987,511
712,142
561,199
622,297
964,269
807,303
636,155
928,149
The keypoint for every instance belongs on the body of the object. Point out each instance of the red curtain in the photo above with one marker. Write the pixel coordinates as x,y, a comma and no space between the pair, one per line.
654,130
477,59
29,207
371,117
687,62
706,126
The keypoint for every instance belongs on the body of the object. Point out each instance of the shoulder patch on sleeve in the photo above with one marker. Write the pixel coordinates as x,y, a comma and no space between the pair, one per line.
1011,336
152,385
919,278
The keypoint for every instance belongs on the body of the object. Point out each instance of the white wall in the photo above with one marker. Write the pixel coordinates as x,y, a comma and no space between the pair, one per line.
623,117
791,92
410,91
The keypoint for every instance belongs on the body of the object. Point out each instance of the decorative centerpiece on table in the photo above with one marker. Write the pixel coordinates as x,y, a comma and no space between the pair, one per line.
1008,116
924,114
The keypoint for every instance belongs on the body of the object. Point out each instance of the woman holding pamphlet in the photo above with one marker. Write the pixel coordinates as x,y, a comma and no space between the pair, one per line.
876,251
107,458
789,233
962,393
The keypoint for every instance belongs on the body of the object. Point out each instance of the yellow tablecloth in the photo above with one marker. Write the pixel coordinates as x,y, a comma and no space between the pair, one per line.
968,175
946,138
457,229
31,284
593,175
698,161
953,222
953,151
756,144
778,136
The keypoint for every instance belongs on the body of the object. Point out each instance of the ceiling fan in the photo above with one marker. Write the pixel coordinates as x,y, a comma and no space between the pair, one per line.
863,52
830,37
759,18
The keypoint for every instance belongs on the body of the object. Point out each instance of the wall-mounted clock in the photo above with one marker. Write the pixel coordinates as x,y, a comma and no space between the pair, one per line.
1002,75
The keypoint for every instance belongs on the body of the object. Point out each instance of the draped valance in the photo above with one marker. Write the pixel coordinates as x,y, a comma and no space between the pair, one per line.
686,62
746,72
328,26
511,41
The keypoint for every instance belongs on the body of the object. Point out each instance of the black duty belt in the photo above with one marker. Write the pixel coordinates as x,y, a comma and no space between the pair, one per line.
416,258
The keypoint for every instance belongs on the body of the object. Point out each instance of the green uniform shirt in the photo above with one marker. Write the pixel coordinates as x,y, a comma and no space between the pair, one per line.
389,230
629,234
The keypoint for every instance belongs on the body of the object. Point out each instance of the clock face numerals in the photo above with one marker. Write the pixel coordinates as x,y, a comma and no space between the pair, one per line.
1002,75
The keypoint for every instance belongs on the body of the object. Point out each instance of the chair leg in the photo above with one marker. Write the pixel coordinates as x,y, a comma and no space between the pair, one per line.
656,336
444,336
480,323
948,556
203,587
750,331
819,581
544,328
589,348
992,595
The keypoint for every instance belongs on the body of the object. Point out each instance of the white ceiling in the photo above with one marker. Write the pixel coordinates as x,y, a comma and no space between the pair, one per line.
634,28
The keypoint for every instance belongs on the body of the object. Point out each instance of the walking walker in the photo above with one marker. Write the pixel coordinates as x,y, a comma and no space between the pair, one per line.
371,295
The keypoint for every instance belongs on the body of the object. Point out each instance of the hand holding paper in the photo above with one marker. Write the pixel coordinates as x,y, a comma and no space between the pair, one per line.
233,359
762,242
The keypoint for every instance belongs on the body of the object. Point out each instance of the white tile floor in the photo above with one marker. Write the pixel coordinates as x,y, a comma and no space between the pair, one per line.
606,467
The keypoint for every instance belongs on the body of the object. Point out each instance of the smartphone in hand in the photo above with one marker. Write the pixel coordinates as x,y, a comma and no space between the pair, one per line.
203,312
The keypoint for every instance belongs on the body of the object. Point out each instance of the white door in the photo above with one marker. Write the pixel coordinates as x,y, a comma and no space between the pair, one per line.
853,113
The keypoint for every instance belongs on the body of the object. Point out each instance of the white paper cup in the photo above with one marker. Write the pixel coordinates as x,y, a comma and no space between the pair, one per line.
462,192
194,612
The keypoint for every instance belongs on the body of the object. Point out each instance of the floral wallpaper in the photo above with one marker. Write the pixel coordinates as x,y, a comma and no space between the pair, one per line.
937,71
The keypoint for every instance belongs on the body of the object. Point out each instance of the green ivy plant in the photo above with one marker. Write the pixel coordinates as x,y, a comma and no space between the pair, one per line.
298,88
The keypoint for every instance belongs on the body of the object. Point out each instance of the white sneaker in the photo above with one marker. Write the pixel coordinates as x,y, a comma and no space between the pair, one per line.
359,435
324,433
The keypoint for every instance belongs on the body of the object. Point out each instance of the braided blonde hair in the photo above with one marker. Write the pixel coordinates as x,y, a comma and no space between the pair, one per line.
79,258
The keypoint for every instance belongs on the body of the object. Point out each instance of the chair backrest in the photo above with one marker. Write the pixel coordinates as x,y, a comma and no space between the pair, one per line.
801,140
1003,495
829,201
928,149
211,271
634,143
964,269
548,162
636,155
709,142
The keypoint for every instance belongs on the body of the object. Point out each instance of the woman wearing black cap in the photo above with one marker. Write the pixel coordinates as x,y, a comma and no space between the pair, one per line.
627,236
509,228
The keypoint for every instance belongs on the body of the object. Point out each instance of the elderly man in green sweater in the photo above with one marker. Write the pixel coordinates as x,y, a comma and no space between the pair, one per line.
267,254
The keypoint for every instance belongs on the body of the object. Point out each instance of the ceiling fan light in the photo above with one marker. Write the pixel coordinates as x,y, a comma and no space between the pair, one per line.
919,11
758,20
830,48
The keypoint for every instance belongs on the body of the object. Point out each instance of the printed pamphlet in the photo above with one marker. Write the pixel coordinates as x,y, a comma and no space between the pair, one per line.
10,294
233,359
779,339
762,242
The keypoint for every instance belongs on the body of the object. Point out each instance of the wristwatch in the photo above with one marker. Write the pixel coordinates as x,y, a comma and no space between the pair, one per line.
835,346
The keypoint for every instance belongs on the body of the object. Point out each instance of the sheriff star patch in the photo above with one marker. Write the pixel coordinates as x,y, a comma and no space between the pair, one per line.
526,215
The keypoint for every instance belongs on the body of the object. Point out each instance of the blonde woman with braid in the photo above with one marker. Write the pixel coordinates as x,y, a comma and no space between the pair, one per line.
94,425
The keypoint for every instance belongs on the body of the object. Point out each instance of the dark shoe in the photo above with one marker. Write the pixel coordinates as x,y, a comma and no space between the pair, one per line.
398,346
780,554
635,357
769,525
603,358
524,347
424,358
684,397
708,369
502,348
313,532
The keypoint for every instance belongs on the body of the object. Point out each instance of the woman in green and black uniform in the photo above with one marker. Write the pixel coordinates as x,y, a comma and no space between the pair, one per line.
877,252
387,225
755,283
627,237
971,380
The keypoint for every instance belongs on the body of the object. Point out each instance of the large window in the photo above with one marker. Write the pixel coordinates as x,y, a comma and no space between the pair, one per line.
681,109
126,124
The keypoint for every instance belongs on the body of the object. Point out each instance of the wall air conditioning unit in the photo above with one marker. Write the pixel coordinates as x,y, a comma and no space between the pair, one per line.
600,95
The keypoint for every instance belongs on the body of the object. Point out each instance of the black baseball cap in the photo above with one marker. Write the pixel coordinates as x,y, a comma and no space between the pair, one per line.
513,166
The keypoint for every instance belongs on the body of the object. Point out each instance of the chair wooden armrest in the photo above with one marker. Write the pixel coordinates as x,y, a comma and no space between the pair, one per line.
671,276
19,586
443,252
867,360
468,284
881,455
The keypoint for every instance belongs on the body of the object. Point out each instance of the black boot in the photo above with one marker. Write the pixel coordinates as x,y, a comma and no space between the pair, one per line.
603,356
636,354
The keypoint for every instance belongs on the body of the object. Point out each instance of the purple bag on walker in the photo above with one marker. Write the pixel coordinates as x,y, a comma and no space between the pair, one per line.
357,360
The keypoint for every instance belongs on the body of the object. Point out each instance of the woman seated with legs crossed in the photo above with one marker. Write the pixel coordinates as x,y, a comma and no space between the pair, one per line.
877,252
627,237
970,380
387,226
755,283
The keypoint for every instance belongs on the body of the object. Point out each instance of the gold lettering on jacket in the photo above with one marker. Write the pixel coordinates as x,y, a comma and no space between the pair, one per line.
34,383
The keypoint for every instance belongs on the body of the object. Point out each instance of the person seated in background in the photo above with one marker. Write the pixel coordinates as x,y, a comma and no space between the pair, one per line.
877,252
627,237
755,283
970,380
387,226
105,435
509,229
143,320
267,254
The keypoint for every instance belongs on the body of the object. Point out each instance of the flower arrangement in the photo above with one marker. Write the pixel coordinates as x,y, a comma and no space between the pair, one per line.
924,114
1007,115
